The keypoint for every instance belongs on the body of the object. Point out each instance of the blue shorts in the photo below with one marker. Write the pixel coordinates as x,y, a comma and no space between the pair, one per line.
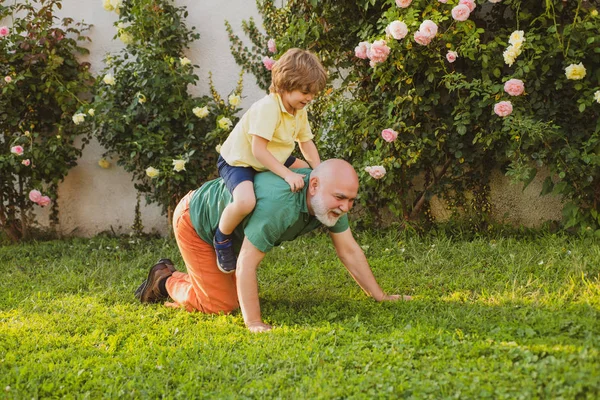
233,176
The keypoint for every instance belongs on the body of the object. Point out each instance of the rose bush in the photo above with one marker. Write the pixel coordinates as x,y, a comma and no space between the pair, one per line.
444,87
143,113
43,86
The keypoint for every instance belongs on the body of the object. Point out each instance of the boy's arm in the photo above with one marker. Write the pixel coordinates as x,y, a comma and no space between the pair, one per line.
259,150
310,153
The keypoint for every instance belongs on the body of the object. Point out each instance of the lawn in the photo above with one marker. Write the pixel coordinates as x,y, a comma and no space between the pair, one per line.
491,318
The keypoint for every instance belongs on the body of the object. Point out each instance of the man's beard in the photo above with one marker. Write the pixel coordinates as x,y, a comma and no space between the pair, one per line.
322,212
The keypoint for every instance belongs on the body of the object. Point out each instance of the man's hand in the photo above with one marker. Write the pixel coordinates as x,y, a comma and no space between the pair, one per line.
395,297
255,327
296,181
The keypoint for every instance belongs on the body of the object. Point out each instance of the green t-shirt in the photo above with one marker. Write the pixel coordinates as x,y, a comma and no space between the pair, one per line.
280,215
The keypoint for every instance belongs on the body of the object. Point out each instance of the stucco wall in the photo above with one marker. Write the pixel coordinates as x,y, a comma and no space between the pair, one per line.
93,199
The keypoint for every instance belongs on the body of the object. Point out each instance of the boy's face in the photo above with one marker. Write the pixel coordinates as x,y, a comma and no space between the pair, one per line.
296,100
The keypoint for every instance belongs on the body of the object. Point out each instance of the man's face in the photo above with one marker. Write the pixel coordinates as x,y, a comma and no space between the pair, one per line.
332,201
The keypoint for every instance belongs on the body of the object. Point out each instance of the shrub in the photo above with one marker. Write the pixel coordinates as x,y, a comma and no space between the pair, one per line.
42,86
143,112
438,81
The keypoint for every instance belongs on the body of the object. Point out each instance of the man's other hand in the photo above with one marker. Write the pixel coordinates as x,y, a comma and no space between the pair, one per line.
395,297
259,327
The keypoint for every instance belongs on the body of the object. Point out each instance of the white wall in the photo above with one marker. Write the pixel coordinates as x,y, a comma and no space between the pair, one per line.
92,199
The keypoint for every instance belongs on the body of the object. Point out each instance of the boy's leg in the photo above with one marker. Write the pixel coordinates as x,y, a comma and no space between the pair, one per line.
204,287
243,203
240,182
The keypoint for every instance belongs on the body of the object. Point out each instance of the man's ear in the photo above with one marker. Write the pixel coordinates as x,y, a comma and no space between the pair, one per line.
313,185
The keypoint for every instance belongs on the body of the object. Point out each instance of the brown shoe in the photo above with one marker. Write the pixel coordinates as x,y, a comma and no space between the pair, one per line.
149,291
168,263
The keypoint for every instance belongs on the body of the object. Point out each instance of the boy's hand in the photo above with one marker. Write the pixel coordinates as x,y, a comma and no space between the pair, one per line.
296,181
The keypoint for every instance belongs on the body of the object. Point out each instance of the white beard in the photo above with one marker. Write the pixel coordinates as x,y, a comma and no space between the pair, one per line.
322,213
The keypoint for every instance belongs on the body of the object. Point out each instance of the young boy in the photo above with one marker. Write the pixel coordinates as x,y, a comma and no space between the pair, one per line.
264,140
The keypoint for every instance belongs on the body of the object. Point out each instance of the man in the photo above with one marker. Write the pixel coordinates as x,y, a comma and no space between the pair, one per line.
280,215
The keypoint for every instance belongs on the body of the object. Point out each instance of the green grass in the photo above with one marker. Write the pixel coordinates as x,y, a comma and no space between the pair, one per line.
492,318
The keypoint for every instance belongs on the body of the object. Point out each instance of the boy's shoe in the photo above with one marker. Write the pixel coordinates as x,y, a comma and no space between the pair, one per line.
226,259
149,291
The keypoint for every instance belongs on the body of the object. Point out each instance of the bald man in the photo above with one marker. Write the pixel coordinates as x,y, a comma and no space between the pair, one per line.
280,215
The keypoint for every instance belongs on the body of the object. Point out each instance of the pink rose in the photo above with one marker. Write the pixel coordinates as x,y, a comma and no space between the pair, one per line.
376,171
44,201
35,196
514,87
397,29
469,3
272,46
268,62
461,12
7,79
378,52
451,56
389,135
503,108
18,150
403,3
26,162
4,31
422,38
362,49
429,28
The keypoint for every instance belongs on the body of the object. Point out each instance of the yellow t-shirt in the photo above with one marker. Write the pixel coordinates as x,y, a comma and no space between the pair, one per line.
269,119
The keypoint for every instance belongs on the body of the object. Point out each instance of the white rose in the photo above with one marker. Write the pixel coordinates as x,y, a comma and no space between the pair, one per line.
235,100
78,118
597,96
126,38
200,112
91,111
575,71
152,172
225,123
185,61
516,36
109,79
178,165
107,5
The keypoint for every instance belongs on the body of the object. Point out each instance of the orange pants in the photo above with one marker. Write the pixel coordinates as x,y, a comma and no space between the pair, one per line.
204,288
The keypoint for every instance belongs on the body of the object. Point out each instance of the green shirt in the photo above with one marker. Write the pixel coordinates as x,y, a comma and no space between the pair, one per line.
280,215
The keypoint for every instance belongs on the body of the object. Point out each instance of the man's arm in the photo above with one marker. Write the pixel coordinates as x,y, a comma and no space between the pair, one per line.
355,261
247,286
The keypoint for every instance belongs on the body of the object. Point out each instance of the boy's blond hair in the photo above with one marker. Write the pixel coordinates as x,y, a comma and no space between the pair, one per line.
298,69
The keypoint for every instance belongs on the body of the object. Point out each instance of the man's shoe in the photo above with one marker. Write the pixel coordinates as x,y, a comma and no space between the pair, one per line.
168,263
165,261
149,291
226,259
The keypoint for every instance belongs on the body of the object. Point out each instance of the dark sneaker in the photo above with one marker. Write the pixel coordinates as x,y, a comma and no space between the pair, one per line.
149,291
226,259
